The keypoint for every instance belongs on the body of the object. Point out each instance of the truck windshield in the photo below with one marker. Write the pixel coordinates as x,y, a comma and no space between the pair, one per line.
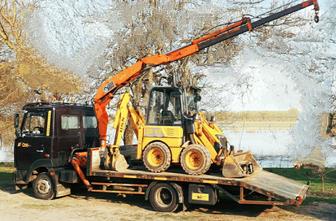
34,123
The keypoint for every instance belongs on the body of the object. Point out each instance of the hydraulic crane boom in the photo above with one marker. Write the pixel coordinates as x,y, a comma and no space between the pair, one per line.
111,85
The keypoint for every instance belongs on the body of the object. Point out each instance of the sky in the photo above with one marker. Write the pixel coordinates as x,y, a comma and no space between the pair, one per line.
72,34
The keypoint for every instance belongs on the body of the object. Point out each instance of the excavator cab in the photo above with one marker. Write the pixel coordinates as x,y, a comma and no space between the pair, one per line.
164,106
173,106
169,106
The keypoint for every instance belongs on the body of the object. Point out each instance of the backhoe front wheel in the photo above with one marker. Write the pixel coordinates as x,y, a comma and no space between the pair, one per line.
195,159
157,157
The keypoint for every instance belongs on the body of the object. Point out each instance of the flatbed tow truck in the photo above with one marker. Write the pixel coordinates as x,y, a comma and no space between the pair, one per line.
43,159
59,144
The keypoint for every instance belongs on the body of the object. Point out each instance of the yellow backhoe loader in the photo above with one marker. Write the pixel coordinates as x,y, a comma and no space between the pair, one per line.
174,134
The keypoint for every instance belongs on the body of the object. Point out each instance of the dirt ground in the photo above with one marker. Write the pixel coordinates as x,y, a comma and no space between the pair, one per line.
88,206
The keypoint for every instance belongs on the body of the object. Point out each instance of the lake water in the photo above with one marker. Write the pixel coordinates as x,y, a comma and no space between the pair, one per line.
270,148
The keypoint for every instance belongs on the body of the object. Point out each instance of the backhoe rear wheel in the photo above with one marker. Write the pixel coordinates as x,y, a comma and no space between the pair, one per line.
195,159
157,157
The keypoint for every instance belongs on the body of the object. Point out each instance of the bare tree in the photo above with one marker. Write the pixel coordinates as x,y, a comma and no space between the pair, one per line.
158,27
23,70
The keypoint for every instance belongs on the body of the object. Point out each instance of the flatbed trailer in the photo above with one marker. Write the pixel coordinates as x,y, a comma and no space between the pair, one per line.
278,190
260,188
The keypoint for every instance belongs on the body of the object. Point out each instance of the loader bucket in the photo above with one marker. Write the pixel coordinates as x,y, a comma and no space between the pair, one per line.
119,163
115,161
239,164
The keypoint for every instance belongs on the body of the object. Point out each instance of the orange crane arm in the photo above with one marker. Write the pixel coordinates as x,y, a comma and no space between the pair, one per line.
111,85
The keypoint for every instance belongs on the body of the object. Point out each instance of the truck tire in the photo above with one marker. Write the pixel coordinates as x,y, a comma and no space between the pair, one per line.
43,187
195,159
157,157
163,198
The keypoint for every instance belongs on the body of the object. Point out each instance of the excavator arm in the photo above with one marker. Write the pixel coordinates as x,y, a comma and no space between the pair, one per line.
111,85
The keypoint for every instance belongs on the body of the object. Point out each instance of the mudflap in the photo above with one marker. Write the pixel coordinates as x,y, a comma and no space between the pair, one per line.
62,190
18,182
281,188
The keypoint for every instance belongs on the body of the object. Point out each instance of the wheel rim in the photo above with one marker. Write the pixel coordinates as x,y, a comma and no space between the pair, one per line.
155,157
194,159
164,197
43,186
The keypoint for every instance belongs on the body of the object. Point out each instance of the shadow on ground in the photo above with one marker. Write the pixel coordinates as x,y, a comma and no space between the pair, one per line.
226,206
322,211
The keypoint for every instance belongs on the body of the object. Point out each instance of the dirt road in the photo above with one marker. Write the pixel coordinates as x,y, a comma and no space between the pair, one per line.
85,206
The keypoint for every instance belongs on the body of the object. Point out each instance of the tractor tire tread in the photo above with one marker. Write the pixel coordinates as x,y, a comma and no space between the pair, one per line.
166,152
205,153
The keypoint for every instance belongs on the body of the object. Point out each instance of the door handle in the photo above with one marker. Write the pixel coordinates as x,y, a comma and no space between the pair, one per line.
41,150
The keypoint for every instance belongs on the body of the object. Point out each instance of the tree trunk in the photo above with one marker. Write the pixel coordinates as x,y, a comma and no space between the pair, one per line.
128,135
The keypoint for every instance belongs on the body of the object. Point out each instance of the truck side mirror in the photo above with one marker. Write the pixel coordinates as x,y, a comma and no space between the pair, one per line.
16,124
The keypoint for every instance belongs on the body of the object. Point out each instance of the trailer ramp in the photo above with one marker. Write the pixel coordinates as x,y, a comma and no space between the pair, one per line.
282,190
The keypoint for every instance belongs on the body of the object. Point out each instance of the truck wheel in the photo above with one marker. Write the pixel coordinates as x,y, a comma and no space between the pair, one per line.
195,159
157,157
163,198
43,187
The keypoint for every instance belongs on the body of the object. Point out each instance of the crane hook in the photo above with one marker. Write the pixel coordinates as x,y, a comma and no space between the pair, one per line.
316,18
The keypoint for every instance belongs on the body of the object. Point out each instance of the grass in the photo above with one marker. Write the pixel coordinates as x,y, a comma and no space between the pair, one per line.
316,193
6,174
2,164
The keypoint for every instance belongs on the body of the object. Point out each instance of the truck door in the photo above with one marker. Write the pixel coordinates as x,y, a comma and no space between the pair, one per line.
69,134
35,141
90,135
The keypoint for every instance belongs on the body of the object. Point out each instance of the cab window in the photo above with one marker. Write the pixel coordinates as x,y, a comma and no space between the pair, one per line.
164,108
89,122
70,122
34,124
